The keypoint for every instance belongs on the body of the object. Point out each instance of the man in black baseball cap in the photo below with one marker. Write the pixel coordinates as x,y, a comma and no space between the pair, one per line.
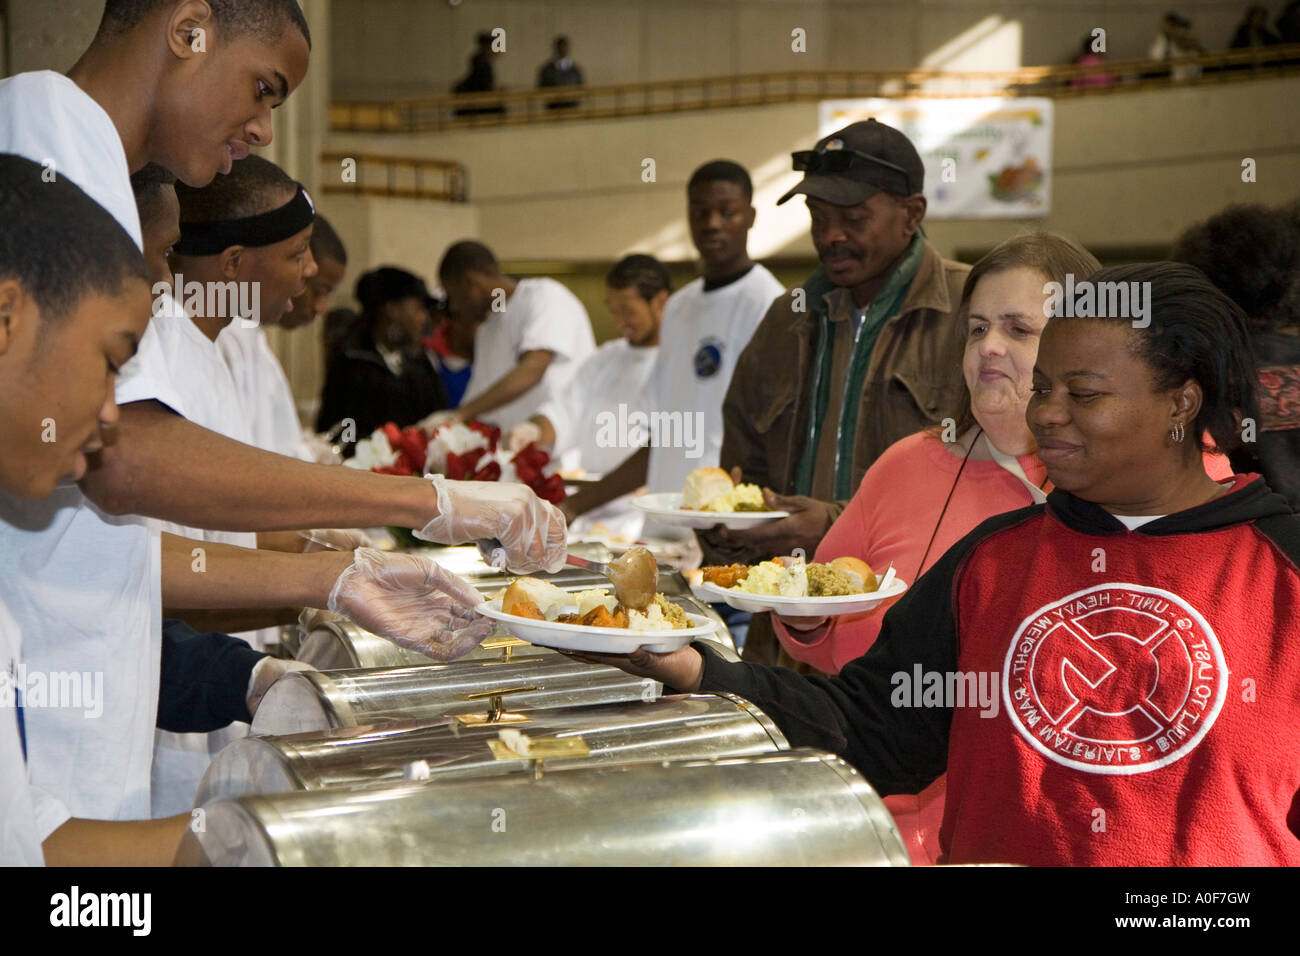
864,353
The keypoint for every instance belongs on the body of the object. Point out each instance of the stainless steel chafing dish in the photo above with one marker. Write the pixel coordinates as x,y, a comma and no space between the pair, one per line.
676,727
792,808
329,642
304,701
335,644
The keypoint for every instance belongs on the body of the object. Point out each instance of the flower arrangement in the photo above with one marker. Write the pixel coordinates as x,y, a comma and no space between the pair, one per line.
462,452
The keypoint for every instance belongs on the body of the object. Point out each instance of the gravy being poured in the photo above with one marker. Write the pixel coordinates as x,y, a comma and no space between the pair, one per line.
635,576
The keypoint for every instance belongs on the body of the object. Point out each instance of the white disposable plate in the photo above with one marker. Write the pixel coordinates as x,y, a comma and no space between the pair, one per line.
801,606
667,507
601,640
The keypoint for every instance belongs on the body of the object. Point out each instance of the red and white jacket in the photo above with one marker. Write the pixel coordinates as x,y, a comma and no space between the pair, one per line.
1097,696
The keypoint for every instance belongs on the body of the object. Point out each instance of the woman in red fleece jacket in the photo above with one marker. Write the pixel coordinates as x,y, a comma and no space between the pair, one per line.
1138,630
952,486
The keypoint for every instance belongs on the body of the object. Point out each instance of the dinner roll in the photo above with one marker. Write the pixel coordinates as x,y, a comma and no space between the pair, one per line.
544,594
703,485
858,571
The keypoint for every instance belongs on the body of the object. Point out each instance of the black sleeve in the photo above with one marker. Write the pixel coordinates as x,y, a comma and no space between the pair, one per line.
204,679
1284,532
897,747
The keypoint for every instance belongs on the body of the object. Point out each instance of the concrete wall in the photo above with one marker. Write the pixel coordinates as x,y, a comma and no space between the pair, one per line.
49,34
420,47
1131,169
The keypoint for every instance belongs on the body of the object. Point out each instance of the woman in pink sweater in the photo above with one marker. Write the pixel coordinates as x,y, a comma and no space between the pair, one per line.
929,490
932,488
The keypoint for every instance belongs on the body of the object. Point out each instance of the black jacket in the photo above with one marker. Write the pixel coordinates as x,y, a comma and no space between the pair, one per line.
903,751
359,385
204,679
1275,453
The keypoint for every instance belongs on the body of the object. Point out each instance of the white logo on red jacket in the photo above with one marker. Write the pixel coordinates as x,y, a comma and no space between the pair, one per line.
1117,678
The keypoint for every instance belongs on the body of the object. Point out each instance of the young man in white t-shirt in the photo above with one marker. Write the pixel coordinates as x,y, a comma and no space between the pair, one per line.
74,301
592,425
534,333
269,254
706,325
269,404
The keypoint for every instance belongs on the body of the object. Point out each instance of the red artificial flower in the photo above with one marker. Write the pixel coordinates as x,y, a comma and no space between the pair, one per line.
460,467
399,467
550,488
490,432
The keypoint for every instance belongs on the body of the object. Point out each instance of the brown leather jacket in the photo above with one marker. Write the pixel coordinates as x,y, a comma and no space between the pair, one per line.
914,375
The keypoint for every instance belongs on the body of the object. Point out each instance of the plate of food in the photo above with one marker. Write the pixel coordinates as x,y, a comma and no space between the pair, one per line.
795,588
537,611
710,498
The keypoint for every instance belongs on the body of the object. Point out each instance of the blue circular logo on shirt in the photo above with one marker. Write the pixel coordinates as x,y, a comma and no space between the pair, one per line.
708,359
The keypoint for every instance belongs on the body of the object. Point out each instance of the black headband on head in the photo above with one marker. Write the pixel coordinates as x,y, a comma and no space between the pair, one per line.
264,229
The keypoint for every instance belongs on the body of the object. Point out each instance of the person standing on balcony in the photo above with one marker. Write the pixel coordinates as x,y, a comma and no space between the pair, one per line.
1254,31
1095,61
1174,41
560,70
480,79
1288,23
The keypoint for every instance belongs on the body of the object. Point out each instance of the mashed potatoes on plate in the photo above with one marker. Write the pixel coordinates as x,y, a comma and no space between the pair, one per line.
770,577
739,498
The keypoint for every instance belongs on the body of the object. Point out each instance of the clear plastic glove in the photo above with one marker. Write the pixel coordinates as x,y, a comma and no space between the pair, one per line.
520,436
531,531
334,539
313,617
412,602
265,673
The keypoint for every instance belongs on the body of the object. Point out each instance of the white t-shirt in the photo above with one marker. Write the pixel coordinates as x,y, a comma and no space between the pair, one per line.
85,587
592,415
540,314
20,844
208,395
211,400
702,336
269,408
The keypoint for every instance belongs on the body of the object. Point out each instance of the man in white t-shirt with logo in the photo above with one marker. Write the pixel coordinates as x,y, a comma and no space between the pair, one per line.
534,335
706,325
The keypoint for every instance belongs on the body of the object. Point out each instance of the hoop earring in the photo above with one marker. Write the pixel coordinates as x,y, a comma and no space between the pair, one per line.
1176,432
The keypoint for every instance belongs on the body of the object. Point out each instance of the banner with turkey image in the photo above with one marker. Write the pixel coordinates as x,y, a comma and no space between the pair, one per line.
985,158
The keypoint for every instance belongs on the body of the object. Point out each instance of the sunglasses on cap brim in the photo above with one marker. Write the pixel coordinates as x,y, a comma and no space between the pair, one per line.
842,160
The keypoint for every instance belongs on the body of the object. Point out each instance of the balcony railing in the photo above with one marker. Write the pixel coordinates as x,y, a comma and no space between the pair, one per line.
560,104
400,177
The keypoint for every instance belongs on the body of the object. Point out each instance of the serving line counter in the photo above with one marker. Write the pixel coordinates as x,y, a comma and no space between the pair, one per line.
799,807
397,760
